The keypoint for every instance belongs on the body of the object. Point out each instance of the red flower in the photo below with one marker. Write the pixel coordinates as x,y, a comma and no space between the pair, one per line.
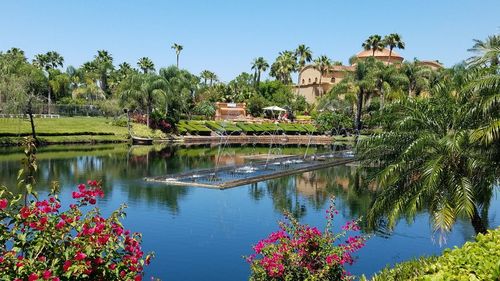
47,274
60,224
138,278
3,203
66,265
33,277
112,266
80,256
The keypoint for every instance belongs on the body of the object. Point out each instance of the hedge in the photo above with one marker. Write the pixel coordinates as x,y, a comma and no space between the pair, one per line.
193,127
223,127
479,260
235,128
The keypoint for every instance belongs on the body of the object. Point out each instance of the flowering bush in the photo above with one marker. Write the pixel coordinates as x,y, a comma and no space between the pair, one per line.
40,241
301,252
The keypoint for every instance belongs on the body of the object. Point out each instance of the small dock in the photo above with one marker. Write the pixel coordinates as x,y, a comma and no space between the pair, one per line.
232,176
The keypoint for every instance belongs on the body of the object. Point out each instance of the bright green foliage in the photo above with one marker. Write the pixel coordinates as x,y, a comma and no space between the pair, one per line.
223,127
193,127
474,261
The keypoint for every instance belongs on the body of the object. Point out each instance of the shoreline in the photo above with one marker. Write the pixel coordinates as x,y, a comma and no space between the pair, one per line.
188,140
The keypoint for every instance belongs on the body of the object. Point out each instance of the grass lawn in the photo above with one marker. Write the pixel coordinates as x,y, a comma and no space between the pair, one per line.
71,130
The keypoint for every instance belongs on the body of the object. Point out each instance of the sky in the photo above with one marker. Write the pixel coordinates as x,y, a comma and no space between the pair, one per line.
224,36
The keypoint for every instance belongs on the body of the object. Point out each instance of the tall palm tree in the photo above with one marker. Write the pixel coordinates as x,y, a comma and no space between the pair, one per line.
259,65
304,55
374,43
178,48
146,65
103,65
392,41
322,64
283,66
48,62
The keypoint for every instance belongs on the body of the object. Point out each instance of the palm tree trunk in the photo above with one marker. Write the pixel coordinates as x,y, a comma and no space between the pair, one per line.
477,222
30,114
258,79
49,100
390,54
320,87
359,107
382,99
177,61
148,110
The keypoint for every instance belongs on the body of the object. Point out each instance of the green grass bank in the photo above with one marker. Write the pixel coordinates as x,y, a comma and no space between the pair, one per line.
71,130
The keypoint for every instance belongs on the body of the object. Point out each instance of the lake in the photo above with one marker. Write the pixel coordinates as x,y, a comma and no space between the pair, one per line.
202,234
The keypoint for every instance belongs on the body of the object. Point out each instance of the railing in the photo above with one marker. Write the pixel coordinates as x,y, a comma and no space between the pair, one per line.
56,111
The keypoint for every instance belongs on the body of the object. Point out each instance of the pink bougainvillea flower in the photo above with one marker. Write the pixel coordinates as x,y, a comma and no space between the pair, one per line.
33,277
3,203
80,256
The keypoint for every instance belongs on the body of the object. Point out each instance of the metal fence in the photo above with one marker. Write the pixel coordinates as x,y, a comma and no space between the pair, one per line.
55,111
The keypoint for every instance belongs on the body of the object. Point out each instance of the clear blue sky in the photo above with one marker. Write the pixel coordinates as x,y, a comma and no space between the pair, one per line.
225,35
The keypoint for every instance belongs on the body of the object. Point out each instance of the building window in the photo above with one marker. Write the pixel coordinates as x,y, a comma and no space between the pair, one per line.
303,81
309,80
332,80
316,80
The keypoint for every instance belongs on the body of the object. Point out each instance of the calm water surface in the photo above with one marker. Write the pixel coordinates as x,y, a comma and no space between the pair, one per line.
202,234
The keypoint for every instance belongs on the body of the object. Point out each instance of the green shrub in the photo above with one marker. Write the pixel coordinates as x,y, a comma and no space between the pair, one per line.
479,260
223,127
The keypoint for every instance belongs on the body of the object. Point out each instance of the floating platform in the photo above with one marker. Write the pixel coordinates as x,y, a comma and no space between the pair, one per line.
232,176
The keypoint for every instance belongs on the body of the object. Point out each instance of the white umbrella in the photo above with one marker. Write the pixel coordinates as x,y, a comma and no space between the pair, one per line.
274,108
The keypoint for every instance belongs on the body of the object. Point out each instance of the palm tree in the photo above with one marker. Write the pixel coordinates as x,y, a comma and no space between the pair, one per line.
374,43
259,65
304,55
429,159
392,41
205,75
48,62
144,91
103,65
322,64
417,77
387,79
285,64
488,52
146,65
212,77
178,48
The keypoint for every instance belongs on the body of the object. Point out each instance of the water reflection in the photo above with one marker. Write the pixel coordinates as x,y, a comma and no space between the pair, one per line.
180,223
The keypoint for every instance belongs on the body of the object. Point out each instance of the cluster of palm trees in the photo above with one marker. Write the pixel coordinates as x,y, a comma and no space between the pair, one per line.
440,151
95,82
377,43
